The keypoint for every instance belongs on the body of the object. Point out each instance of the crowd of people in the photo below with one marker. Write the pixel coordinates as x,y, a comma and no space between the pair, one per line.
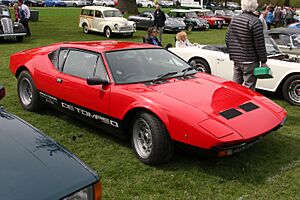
276,15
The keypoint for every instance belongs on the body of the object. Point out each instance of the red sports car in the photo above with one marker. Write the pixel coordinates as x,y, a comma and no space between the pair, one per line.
213,20
144,93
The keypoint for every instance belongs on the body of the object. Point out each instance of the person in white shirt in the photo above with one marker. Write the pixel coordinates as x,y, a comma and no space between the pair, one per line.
263,16
182,40
24,16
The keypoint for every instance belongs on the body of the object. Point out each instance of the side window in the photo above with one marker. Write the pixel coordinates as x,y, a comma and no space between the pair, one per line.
80,64
100,69
98,14
61,58
87,12
283,39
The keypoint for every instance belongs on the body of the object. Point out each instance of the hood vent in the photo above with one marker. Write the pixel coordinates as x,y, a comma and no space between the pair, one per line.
231,113
248,107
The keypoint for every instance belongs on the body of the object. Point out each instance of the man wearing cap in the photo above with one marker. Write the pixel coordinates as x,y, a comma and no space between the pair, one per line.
24,16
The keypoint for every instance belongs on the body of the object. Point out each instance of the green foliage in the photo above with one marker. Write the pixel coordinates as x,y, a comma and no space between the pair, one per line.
269,170
295,3
273,2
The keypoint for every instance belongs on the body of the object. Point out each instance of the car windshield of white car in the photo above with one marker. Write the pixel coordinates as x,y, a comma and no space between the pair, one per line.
112,13
271,46
4,12
144,65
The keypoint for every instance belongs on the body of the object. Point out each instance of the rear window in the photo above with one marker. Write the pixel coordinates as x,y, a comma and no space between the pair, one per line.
87,12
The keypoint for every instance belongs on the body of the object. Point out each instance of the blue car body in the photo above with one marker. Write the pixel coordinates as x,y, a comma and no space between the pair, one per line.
55,3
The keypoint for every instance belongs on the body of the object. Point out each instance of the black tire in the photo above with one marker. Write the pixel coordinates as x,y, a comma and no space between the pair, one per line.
150,139
20,38
104,5
27,92
190,27
148,6
291,90
107,32
74,5
201,65
85,29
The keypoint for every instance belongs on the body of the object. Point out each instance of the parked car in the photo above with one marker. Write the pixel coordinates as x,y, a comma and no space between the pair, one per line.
165,3
287,39
191,20
103,3
145,20
232,5
76,3
212,19
145,3
295,25
34,166
9,29
105,20
227,15
38,3
145,93
212,6
214,59
55,3
9,2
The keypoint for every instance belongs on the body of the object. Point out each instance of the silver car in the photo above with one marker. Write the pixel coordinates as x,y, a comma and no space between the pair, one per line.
76,3
103,3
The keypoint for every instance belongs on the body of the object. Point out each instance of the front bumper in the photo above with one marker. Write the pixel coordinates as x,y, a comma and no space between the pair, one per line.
174,28
12,35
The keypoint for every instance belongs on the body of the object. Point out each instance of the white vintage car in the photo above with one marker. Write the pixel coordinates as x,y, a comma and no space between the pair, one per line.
105,20
214,59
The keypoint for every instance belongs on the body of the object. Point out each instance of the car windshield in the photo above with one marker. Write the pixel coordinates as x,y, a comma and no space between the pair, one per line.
144,65
209,13
112,13
4,12
271,46
229,12
296,40
191,15
220,12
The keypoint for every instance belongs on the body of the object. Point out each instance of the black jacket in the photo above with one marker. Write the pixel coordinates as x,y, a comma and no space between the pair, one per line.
159,18
245,39
148,40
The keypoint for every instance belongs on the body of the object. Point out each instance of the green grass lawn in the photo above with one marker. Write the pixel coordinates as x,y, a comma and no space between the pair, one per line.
269,170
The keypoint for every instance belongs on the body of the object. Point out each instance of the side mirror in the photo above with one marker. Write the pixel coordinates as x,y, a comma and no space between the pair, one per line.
2,92
96,80
193,64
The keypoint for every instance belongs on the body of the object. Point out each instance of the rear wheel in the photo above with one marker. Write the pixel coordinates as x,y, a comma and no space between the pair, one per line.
104,5
74,5
200,65
291,90
150,140
27,92
85,28
107,32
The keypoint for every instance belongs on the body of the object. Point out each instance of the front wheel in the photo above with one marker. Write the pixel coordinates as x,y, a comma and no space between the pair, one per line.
20,38
200,65
107,32
27,92
190,27
150,139
291,90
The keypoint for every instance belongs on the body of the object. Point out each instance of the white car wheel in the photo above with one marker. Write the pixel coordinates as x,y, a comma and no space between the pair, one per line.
108,32
291,90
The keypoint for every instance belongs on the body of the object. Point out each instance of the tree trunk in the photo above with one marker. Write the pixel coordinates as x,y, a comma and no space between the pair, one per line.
128,6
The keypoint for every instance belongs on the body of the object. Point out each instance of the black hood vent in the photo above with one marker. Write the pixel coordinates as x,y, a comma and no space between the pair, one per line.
248,107
231,113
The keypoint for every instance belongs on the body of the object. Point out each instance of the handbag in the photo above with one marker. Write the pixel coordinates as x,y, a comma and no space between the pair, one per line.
262,72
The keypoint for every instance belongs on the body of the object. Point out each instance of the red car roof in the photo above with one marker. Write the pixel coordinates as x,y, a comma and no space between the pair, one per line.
107,45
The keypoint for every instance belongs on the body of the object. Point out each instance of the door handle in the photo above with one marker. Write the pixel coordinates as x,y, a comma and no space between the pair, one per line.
220,59
59,80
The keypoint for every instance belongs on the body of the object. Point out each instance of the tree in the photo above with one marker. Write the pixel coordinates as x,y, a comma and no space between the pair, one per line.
128,6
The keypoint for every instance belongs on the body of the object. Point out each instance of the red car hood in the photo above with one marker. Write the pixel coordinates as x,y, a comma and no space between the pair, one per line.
214,18
214,98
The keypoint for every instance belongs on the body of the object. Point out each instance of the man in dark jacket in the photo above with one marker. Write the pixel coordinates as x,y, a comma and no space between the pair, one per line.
159,20
246,44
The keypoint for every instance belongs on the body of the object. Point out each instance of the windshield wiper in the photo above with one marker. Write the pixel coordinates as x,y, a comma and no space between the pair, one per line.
162,76
185,70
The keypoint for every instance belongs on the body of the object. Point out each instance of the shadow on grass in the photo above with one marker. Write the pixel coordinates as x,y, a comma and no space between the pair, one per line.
253,166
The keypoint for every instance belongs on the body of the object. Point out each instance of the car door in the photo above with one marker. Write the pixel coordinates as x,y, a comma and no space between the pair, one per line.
224,66
75,95
98,21
147,19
